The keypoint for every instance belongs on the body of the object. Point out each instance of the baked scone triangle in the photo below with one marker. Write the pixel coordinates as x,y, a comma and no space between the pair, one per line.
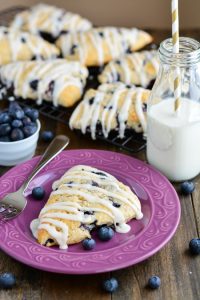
138,68
16,45
98,46
84,198
58,81
113,106
48,19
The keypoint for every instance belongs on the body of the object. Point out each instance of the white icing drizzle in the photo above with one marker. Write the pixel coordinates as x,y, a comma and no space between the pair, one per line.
105,108
47,18
71,210
36,45
61,72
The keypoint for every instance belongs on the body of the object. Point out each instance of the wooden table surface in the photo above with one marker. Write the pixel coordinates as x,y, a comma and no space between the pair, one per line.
178,270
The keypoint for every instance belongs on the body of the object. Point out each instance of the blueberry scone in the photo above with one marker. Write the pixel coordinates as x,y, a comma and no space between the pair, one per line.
58,81
49,20
138,68
112,107
98,46
17,46
84,198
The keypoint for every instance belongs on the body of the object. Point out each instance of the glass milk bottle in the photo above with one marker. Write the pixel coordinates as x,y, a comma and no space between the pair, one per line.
173,136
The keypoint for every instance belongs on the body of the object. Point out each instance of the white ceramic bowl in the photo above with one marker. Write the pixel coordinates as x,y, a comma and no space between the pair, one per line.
14,153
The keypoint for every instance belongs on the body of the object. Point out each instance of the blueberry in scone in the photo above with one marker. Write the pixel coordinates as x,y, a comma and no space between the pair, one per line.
112,107
16,45
76,206
58,81
49,21
98,46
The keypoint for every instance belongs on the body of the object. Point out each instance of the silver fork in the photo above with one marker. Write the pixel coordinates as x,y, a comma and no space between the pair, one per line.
14,203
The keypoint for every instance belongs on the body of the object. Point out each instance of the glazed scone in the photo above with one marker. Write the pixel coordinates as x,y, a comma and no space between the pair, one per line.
98,46
20,46
113,106
138,68
58,81
48,19
84,198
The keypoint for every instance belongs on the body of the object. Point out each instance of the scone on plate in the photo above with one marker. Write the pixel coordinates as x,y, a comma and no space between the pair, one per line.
49,20
98,46
16,45
58,81
83,199
138,68
112,107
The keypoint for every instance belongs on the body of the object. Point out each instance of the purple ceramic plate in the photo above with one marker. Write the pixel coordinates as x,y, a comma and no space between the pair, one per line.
160,206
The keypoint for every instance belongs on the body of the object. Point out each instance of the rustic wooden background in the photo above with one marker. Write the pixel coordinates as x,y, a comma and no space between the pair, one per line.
178,270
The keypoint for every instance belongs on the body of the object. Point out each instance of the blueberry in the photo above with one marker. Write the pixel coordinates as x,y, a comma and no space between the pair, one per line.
15,110
5,129
29,130
27,110
110,285
38,193
4,117
33,114
187,187
154,282
4,139
7,280
26,121
16,134
88,244
194,246
17,123
105,233
34,84
47,136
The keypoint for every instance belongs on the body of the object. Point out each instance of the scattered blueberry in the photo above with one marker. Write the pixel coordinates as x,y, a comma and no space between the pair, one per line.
154,282
16,134
7,280
26,121
5,129
4,117
33,114
38,193
17,123
194,246
88,244
110,285
187,187
105,233
47,136
29,130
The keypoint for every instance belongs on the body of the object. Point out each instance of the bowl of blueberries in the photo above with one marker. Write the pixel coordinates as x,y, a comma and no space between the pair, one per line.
19,133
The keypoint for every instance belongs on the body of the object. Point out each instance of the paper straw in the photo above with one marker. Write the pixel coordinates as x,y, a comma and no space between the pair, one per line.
175,38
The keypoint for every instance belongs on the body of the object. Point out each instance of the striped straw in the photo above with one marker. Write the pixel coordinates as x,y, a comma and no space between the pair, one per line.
175,38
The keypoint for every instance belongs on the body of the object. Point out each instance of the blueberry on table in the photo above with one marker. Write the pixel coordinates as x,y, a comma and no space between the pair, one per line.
105,233
33,114
4,117
194,246
7,280
26,121
29,130
154,282
16,134
5,129
38,193
47,136
187,187
110,285
17,123
88,244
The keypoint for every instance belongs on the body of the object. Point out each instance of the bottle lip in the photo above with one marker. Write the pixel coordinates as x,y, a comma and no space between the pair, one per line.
189,52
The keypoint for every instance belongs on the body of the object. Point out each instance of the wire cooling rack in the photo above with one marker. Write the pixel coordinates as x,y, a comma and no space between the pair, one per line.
133,142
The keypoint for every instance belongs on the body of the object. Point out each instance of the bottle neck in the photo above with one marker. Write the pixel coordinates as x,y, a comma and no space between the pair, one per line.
189,52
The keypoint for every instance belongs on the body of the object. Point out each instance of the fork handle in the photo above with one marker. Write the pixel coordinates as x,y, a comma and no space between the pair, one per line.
56,146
